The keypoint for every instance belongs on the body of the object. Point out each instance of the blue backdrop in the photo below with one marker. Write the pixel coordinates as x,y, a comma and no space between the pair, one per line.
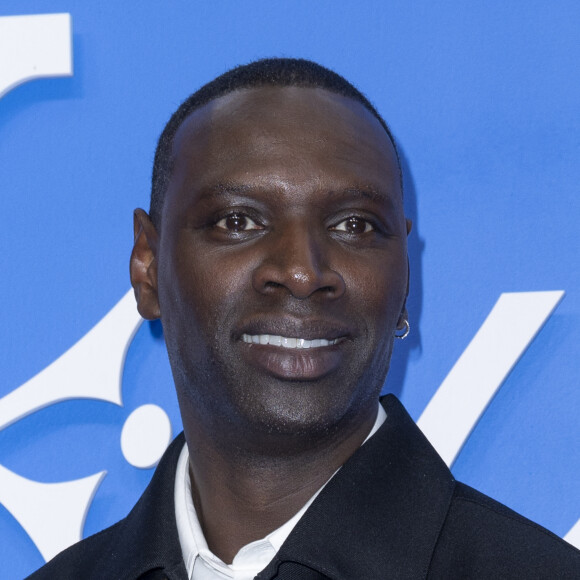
483,98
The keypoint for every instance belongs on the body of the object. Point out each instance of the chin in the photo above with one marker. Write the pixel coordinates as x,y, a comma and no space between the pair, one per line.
298,413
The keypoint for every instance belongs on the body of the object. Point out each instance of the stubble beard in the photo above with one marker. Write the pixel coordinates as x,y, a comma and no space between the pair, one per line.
253,415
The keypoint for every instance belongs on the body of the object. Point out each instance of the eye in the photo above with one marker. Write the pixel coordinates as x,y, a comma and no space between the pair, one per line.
237,222
354,225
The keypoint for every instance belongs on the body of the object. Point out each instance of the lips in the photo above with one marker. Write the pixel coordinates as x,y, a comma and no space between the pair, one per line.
293,349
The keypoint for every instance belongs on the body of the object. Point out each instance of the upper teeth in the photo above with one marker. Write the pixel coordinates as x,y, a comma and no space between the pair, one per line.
286,342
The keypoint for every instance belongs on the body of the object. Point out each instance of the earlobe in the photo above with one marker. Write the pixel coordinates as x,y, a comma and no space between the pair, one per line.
143,265
403,327
403,319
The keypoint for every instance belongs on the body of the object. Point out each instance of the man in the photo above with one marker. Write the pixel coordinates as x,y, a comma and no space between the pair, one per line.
275,254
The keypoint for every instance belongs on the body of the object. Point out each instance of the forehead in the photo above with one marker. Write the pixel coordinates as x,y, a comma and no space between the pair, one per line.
289,135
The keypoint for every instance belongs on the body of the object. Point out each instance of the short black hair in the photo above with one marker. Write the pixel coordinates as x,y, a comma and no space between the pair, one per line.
271,72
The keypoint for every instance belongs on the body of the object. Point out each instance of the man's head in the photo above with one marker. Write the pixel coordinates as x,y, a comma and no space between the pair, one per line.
278,265
272,72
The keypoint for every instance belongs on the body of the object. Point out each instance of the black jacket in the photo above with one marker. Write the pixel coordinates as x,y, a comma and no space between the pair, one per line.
393,511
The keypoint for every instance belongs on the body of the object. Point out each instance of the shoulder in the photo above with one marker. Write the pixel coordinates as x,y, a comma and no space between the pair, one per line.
483,538
81,559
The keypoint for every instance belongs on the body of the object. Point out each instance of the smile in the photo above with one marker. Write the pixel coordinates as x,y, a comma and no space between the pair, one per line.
287,342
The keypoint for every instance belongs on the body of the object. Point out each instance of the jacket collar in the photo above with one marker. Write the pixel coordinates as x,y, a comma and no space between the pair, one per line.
379,517
147,537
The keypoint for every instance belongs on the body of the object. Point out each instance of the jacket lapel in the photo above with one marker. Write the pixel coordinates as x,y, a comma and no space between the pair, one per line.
380,516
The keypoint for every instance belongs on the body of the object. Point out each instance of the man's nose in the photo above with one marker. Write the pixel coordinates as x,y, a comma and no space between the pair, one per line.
298,262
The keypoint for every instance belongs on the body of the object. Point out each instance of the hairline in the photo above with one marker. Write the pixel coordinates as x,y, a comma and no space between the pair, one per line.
163,167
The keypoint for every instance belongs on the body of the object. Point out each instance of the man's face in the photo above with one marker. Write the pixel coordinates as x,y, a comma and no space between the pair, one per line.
282,260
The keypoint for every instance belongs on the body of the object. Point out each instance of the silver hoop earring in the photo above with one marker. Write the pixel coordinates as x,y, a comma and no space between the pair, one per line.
407,330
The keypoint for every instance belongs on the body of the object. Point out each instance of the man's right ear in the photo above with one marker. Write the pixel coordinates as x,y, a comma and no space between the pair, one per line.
144,265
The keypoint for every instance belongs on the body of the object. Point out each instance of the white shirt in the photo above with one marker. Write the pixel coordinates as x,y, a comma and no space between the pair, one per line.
200,562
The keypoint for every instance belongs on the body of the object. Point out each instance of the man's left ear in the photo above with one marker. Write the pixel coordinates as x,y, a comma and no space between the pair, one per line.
143,265
403,322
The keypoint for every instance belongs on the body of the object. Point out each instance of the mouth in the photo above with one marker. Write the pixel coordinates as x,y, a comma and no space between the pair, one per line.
288,341
295,350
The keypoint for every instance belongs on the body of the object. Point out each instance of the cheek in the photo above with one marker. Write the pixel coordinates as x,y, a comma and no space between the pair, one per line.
378,290
200,287
219,278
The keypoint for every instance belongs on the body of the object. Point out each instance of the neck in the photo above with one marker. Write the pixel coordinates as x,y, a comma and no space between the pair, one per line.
241,495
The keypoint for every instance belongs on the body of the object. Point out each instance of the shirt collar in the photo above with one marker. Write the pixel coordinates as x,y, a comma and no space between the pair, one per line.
252,557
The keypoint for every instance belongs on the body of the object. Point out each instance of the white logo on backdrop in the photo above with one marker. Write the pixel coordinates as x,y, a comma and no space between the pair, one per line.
53,514
40,46
33,47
